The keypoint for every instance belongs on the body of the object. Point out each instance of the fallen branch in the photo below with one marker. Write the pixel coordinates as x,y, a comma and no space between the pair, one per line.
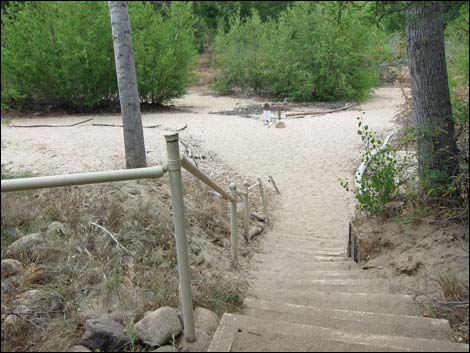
81,122
115,125
258,218
112,237
302,114
253,232
295,117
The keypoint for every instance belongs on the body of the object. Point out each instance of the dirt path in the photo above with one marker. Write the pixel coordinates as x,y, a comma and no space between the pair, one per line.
307,158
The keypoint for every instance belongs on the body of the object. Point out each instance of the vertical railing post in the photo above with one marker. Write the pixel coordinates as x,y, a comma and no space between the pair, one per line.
265,207
176,184
246,210
233,224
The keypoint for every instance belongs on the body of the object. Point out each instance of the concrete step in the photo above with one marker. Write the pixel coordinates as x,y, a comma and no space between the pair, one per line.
397,304
349,320
271,264
328,285
278,275
245,334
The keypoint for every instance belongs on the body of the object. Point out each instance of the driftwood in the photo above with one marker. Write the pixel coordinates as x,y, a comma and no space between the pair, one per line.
115,125
253,232
81,122
112,237
302,114
258,218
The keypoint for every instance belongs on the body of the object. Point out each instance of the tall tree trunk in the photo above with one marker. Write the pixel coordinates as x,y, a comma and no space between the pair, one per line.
127,83
437,150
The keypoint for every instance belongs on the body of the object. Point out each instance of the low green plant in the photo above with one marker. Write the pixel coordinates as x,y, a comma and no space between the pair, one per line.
379,184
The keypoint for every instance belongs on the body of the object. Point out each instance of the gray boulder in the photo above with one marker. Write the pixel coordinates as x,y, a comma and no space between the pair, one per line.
38,306
159,326
201,344
57,229
30,243
11,267
205,319
104,334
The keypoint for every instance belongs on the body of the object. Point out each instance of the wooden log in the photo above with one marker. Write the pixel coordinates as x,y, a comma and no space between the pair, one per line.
301,114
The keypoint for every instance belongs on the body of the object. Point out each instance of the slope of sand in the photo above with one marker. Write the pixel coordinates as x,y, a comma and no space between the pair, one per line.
306,159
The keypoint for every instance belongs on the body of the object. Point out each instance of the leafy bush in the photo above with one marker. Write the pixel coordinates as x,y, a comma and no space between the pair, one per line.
58,53
61,53
379,184
457,54
164,49
314,51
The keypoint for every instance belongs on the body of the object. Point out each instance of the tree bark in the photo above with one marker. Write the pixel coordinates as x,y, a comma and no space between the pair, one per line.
127,83
437,150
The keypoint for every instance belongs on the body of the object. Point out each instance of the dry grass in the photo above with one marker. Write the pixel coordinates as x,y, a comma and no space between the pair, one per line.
95,276
452,305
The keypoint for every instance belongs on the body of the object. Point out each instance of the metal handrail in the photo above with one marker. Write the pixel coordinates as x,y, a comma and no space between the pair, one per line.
190,167
81,178
175,163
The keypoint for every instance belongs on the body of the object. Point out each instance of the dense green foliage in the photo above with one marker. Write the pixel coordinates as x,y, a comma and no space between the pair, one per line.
211,15
61,53
164,49
457,53
314,51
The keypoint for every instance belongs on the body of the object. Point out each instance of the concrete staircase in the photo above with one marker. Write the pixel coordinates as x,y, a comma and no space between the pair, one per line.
314,299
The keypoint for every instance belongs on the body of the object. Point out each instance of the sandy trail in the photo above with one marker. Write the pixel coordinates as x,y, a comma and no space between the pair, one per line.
307,158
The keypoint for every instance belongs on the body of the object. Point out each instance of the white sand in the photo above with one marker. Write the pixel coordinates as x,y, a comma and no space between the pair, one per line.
307,158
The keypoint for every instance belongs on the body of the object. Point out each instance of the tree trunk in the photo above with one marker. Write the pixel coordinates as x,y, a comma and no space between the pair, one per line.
437,150
127,83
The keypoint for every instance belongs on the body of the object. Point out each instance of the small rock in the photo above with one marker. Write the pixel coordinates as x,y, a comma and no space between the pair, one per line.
195,249
254,231
12,283
11,267
79,349
105,334
408,267
198,260
28,243
280,125
57,229
205,319
166,348
12,233
38,305
201,344
164,266
13,324
157,327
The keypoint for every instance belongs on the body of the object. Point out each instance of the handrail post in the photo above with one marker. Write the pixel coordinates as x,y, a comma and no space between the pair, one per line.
176,184
265,207
246,210
233,225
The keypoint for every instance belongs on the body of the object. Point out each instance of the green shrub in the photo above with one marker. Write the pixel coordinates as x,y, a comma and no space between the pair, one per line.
314,51
58,53
61,53
379,184
164,49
